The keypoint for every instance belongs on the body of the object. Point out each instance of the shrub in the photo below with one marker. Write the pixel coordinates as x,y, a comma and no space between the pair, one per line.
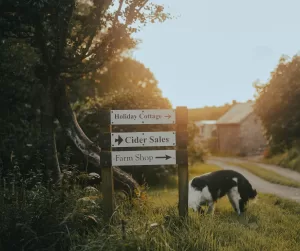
44,219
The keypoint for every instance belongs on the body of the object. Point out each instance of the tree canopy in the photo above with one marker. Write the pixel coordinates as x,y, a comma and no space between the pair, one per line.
118,75
209,112
278,104
71,39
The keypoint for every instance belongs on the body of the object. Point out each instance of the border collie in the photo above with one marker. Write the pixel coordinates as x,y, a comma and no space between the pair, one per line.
209,187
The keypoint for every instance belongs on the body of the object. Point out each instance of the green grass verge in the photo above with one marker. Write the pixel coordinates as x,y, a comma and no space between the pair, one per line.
275,160
265,174
76,223
289,159
271,223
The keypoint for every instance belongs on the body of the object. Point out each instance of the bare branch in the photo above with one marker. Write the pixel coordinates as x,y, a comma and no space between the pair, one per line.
69,123
117,14
132,16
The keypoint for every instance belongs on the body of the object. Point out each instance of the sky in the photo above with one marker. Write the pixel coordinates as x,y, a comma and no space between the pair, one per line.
215,49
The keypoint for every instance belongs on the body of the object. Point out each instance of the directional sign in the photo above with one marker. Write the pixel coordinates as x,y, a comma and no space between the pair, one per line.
140,139
138,117
144,158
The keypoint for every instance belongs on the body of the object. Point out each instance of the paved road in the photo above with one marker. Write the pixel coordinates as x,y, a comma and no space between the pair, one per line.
259,184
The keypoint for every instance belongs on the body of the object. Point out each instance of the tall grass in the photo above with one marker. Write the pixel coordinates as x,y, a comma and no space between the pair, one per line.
289,159
52,220
271,224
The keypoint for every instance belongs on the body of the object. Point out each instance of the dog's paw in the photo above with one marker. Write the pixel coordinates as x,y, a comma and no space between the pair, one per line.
201,211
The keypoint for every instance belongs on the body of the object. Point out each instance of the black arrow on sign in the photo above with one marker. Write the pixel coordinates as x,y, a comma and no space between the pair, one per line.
164,157
119,140
168,116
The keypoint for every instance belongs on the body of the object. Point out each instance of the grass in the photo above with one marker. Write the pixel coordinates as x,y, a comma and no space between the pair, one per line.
271,223
289,159
265,174
151,223
199,169
276,159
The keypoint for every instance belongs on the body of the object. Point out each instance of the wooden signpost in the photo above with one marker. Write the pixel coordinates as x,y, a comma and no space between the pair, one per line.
176,139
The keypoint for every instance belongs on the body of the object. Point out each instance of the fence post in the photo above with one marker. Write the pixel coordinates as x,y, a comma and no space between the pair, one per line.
107,183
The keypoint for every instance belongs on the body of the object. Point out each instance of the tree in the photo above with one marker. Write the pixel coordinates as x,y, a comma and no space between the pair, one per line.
209,112
278,104
73,38
121,74
19,118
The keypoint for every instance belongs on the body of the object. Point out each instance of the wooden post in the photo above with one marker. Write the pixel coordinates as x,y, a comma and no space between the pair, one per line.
182,159
107,184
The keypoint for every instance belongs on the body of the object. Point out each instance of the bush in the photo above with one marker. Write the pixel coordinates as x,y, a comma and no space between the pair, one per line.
289,158
196,153
196,150
211,145
43,219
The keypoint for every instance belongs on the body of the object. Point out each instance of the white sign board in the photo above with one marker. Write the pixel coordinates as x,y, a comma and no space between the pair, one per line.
143,158
143,139
138,117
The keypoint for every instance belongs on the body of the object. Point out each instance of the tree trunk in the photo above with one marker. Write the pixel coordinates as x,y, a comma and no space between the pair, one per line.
48,146
70,125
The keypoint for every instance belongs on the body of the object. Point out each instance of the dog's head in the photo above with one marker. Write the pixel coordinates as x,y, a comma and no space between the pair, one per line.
252,194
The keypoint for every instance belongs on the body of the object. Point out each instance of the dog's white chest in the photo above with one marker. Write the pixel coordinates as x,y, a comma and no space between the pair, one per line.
197,197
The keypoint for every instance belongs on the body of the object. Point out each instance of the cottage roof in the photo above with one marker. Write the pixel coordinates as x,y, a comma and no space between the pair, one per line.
237,113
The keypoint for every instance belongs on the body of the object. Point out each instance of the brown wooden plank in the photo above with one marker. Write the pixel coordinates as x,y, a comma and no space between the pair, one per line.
182,159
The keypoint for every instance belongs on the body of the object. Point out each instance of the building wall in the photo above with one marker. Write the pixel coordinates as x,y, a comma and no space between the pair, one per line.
252,138
206,131
229,138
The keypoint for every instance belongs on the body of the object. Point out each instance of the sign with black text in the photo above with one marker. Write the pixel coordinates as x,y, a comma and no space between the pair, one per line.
143,158
143,139
139,117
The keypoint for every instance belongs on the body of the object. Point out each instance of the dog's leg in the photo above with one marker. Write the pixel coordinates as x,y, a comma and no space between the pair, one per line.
234,198
200,210
211,207
231,202
242,204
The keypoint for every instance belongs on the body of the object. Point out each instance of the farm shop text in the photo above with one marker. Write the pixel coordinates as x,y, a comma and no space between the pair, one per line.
136,157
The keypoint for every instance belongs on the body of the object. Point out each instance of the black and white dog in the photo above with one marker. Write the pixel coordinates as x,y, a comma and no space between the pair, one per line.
209,187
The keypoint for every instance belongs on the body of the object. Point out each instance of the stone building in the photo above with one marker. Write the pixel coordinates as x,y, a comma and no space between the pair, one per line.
240,131
207,129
